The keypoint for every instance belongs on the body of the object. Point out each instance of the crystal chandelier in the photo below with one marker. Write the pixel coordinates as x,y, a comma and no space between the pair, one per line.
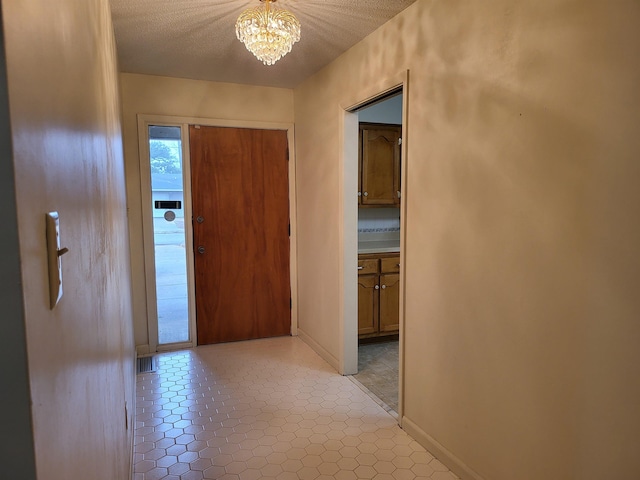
267,31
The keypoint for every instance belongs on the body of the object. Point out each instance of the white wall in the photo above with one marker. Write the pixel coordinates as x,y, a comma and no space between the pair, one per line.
144,94
67,156
387,111
522,258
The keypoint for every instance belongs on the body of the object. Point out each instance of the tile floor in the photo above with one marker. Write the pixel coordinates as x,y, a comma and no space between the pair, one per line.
266,409
378,371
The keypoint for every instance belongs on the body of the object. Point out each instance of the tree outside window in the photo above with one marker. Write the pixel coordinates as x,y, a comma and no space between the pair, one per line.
165,156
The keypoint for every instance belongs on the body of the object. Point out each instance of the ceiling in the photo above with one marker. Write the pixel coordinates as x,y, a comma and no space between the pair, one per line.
196,38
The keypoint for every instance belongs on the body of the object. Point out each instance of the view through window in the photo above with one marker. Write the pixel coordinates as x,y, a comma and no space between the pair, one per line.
165,148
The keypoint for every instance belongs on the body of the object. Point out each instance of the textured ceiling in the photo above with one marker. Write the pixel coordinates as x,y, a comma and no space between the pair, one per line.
196,38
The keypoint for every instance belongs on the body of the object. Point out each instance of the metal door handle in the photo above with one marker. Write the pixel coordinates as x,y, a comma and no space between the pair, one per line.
360,268
200,249
200,219
366,194
384,286
376,287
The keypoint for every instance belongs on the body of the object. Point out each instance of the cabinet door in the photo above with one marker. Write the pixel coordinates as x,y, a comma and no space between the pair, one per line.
380,165
360,169
367,304
389,302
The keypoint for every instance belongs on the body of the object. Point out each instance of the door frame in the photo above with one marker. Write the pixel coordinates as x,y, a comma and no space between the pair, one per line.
348,321
144,121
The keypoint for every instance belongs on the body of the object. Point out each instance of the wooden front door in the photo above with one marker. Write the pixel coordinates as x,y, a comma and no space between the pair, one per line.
240,192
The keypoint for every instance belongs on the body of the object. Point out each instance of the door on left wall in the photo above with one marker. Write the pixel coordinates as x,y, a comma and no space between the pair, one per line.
169,235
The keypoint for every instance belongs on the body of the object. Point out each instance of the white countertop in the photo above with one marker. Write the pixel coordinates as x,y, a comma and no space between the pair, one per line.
379,246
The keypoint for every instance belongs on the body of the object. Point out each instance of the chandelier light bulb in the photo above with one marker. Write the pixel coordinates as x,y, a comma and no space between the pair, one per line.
268,31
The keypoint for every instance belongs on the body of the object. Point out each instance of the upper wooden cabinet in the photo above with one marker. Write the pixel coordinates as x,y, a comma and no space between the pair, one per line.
379,164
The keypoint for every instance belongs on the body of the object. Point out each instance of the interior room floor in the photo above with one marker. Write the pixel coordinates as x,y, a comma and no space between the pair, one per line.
266,409
378,371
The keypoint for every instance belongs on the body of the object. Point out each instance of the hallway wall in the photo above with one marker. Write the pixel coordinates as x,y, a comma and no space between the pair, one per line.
16,436
522,258
67,156
154,95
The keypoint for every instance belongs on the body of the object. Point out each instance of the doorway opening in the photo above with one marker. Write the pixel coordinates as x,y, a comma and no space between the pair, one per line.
168,226
379,198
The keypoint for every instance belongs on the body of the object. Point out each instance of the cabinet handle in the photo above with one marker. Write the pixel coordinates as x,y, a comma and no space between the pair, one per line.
377,287
384,286
398,265
359,194
360,268
366,194
398,192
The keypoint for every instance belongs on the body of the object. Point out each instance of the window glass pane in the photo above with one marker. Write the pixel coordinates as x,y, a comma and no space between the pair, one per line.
169,234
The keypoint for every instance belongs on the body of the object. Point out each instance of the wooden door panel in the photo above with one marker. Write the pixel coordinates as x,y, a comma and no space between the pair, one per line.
380,165
389,302
367,304
240,191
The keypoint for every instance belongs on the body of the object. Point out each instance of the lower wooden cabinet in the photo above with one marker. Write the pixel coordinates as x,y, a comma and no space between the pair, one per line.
378,294
368,301
389,308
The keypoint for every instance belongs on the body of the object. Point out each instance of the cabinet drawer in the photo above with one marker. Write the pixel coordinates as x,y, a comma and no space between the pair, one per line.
367,266
390,265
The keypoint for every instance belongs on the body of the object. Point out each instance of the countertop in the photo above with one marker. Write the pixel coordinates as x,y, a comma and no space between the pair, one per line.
379,246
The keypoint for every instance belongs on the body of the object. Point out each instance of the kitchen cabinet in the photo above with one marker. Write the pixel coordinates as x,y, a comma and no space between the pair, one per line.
378,295
379,165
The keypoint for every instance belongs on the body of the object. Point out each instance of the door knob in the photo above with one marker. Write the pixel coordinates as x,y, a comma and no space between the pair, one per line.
201,249
200,219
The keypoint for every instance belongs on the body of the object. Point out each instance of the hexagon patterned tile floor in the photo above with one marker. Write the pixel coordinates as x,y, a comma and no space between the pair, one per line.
266,409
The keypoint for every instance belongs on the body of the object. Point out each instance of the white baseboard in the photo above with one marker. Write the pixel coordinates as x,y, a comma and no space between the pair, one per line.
452,462
319,349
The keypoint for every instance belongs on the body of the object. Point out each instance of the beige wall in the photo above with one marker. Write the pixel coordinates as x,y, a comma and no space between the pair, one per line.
16,436
144,94
67,154
522,260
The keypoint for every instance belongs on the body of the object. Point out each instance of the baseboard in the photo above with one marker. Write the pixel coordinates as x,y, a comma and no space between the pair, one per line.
319,349
132,444
131,416
452,462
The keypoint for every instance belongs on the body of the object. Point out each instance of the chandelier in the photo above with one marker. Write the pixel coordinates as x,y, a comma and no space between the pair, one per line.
268,31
